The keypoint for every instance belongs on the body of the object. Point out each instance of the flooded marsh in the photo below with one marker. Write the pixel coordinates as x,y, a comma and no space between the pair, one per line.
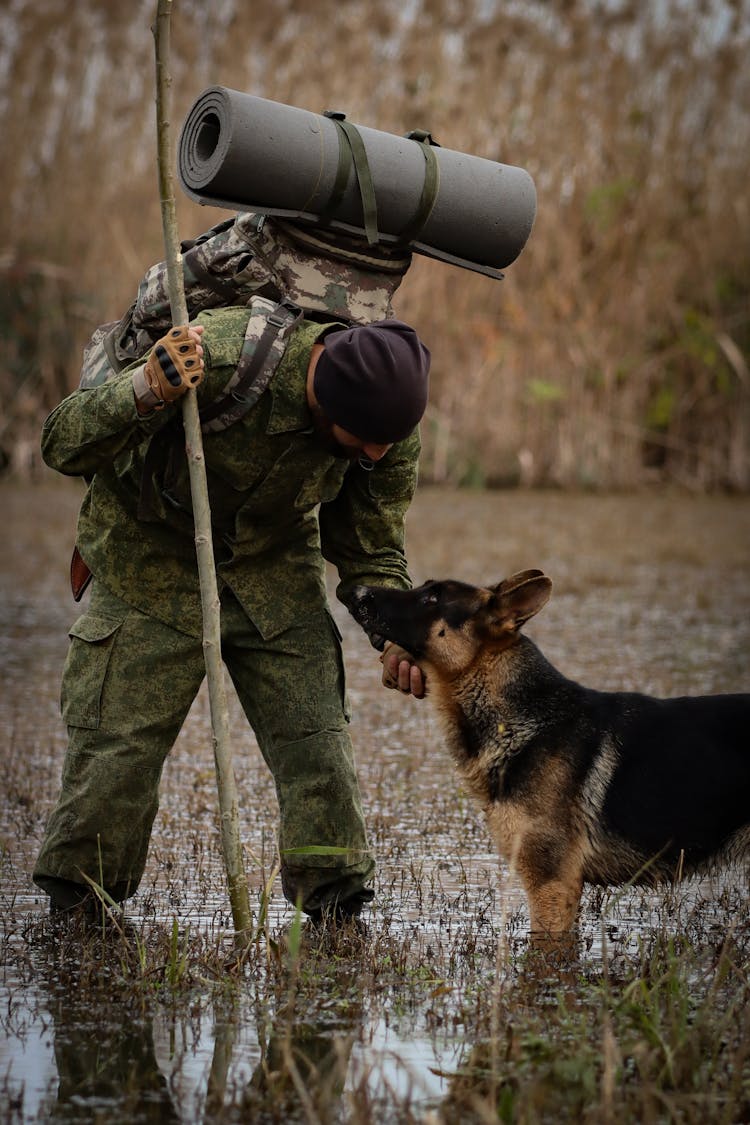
439,1012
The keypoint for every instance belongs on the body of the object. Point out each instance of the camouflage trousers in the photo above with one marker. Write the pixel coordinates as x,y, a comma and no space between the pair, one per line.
128,684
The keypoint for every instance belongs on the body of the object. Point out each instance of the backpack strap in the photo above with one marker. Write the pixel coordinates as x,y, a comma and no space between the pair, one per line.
268,328
262,350
155,460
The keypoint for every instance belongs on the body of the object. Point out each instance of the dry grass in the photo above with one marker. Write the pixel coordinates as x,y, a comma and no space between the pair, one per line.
439,1015
614,353
649,1024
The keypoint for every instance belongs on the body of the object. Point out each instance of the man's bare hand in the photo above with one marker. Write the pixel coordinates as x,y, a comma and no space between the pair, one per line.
400,670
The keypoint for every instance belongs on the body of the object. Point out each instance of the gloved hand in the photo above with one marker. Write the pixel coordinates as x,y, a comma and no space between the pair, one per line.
174,365
400,670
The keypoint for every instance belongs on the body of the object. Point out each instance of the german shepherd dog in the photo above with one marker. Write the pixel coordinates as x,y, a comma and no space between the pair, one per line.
578,786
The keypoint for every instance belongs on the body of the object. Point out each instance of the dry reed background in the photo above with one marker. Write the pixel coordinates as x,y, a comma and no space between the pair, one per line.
615,352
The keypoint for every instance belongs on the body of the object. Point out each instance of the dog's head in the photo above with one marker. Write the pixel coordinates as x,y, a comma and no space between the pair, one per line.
446,624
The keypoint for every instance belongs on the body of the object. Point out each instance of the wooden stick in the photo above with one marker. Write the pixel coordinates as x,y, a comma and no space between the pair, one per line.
228,804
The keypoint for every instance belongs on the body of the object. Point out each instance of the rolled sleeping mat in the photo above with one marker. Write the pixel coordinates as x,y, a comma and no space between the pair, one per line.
249,154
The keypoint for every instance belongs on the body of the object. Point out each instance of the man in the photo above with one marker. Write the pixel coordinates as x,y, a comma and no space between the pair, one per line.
324,466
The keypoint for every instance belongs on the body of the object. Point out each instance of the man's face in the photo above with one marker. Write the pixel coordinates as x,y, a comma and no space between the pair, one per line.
340,443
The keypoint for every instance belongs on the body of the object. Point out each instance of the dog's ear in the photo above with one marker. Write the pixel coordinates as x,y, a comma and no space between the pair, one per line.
518,598
517,579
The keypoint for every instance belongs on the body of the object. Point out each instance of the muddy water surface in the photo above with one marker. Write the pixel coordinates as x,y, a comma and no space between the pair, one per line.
651,593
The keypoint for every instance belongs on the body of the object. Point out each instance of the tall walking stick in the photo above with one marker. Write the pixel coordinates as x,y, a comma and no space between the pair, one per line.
228,806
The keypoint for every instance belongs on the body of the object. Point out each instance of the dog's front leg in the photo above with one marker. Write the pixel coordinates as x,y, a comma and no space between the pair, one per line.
553,906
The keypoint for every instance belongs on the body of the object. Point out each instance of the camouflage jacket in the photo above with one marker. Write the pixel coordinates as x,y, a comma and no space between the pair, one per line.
280,503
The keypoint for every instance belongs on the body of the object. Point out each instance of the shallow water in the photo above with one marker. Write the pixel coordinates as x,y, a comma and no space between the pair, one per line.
651,593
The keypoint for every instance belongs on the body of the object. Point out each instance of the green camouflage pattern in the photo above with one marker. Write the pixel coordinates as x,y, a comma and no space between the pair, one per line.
280,505
333,275
280,502
102,822
235,406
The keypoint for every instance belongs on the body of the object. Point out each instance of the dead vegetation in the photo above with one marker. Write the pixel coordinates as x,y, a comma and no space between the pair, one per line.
615,352
439,1014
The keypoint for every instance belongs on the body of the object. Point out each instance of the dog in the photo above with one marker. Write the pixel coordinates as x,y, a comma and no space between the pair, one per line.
578,786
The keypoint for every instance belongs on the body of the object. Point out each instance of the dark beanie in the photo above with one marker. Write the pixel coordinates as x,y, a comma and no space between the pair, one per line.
371,380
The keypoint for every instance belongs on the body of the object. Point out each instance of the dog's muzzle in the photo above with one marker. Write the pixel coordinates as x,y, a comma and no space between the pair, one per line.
361,605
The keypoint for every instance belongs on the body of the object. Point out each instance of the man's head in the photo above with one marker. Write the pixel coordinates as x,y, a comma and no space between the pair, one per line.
371,381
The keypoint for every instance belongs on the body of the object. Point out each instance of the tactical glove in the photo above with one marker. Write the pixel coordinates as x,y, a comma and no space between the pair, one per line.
172,368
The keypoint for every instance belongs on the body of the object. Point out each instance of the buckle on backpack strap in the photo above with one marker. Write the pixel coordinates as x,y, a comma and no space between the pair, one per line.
285,315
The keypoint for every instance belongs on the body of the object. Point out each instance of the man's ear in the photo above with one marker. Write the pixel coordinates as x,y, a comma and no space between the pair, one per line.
518,598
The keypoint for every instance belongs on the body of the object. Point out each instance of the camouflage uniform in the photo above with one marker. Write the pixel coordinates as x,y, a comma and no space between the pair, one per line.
281,504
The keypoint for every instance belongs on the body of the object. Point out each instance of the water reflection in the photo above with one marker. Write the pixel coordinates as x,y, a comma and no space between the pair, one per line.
664,609
97,1050
303,1068
80,1050
106,1064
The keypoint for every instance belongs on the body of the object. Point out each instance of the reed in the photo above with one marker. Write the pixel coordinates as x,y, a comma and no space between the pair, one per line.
614,354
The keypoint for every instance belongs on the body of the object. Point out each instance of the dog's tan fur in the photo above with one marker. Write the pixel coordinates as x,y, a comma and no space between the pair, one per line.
523,831
577,786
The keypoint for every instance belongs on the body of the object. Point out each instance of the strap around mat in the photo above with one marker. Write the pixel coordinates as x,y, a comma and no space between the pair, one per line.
430,187
352,151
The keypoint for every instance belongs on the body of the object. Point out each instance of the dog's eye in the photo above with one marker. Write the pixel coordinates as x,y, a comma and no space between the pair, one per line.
429,599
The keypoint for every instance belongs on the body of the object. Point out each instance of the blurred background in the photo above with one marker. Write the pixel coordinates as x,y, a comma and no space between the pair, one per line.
615,353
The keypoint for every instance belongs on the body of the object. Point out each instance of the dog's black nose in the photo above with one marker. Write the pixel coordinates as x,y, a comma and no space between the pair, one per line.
360,594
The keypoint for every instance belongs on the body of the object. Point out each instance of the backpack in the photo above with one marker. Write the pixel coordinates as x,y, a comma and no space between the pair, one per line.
283,270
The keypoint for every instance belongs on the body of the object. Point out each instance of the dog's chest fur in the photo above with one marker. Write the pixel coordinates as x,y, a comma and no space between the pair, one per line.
495,743
515,756
488,727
